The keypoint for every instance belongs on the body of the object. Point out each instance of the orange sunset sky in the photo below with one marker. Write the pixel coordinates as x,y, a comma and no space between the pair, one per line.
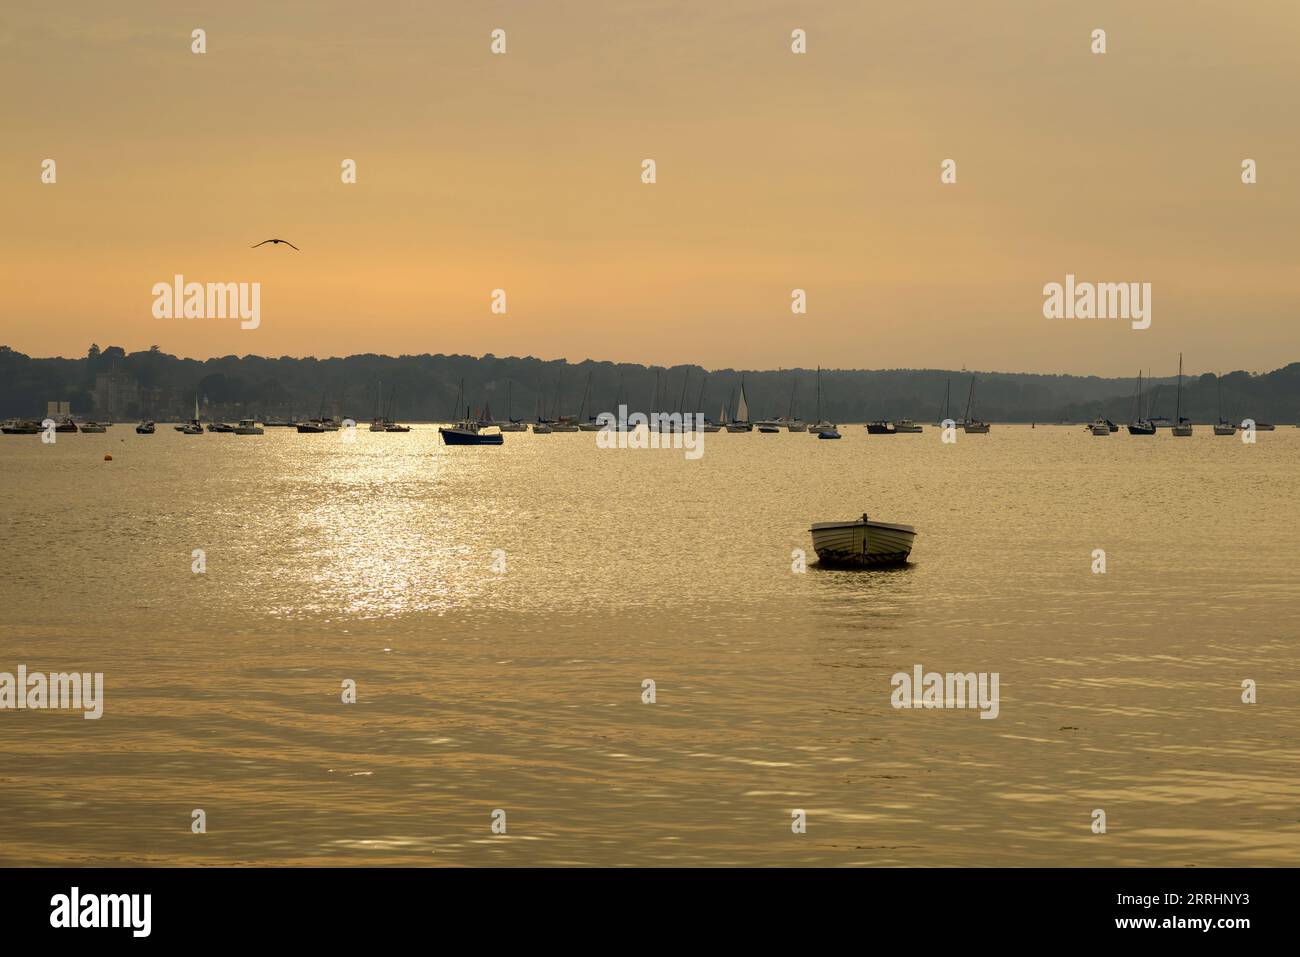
775,171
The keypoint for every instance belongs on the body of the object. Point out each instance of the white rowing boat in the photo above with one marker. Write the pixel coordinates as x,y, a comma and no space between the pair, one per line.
862,543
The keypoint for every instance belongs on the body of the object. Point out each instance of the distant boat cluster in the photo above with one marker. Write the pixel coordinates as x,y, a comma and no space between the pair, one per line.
480,428
471,429
1145,423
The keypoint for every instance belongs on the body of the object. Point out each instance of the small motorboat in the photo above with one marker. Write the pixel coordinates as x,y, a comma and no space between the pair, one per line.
1264,426
768,427
466,432
1100,427
907,427
145,428
880,427
65,424
541,428
247,427
828,433
93,427
20,427
862,543
394,427
796,425
220,427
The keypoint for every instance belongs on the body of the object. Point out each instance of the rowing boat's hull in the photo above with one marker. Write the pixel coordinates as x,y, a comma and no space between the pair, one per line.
862,544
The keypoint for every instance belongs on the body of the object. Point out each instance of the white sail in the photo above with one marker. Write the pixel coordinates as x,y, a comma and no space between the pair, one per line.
742,408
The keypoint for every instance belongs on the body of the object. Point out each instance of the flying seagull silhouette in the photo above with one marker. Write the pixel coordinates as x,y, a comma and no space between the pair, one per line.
265,241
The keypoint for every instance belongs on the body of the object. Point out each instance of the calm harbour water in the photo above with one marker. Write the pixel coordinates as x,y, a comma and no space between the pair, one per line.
372,561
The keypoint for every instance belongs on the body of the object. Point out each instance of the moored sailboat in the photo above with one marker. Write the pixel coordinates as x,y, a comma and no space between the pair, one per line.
792,421
1182,427
741,422
193,426
944,416
970,425
1224,427
511,424
822,428
1141,423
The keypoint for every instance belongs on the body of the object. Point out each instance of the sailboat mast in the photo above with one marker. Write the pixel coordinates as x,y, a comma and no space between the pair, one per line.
586,392
1178,400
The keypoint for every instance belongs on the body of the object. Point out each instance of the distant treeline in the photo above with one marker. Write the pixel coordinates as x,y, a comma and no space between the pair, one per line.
425,387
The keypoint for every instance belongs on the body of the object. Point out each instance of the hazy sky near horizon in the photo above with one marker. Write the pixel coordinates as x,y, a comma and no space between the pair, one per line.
775,171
